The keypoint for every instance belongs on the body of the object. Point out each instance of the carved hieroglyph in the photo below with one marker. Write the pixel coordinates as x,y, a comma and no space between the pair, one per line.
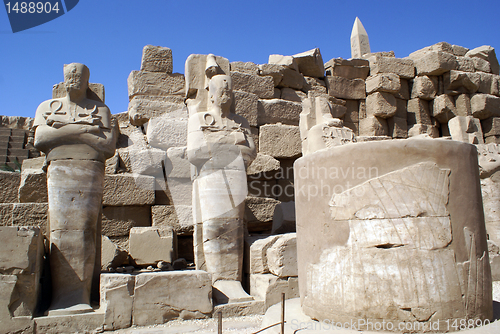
220,148
396,256
76,135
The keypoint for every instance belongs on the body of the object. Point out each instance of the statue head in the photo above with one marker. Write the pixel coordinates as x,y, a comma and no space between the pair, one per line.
76,77
220,92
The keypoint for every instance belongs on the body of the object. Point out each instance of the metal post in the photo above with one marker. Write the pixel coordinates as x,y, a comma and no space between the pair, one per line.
283,313
220,322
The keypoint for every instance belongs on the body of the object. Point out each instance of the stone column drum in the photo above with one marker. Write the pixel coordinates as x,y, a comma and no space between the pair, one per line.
392,233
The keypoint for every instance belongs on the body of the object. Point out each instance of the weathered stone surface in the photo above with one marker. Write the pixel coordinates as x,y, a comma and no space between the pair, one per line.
397,127
360,44
492,140
142,107
424,88
481,65
9,182
487,53
112,256
258,262
465,64
291,79
118,220
155,84
292,94
484,106
24,214
92,322
168,130
462,105
491,197
383,82
117,300
181,294
381,104
343,88
315,86
491,126
434,62
282,256
240,309
149,245
373,126
401,109
278,111
95,91
350,69
273,70
263,163
418,112
310,63
33,187
284,218
179,191
269,288
458,50
177,164
489,84
423,129
288,61
156,59
244,67
405,68
178,217
466,129
463,82
404,91
262,86
144,162
127,189
280,141
443,108
246,105
259,210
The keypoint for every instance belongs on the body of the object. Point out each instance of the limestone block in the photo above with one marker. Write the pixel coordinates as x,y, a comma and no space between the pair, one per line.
155,84
112,256
292,95
144,161
481,65
462,104
484,106
33,187
240,309
343,88
424,88
489,83
263,163
463,82
9,181
348,68
280,141
149,245
273,70
179,191
443,108
316,85
244,67
284,218
259,211
373,126
118,220
282,256
156,59
465,64
128,189
353,126
423,129
352,111
288,286
162,296
288,61
258,260
21,267
246,105
401,109
176,163
92,322
491,126
381,104
398,127
405,68
291,79
178,217
259,283
167,131
458,50
117,300
434,62
262,86
487,53
24,214
24,325
418,112
278,111
142,108
404,91
466,129
310,63
383,82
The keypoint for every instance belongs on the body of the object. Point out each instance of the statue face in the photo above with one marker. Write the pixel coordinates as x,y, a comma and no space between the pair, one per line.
219,91
76,77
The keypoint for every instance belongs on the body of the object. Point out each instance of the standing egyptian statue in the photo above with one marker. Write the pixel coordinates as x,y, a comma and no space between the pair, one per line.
76,135
220,148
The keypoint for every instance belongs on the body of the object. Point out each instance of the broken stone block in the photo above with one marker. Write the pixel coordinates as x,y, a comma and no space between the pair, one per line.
315,85
466,129
348,68
33,187
465,64
112,256
142,108
282,256
259,212
280,141
381,104
443,108
92,322
240,309
117,297
128,189
144,162
462,105
9,181
292,94
424,88
155,84
273,70
373,126
404,68
383,82
118,220
156,59
491,126
259,283
287,61
284,218
262,86
458,50
163,296
423,129
484,106
481,65
463,82
258,261
279,111
246,105
178,217
404,91
177,164
487,53
274,291
244,67
310,63
398,127
434,62
149,245
418,112
343,88
489,84
167,131
291,79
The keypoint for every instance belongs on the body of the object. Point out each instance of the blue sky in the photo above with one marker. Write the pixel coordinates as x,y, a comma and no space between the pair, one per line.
108,36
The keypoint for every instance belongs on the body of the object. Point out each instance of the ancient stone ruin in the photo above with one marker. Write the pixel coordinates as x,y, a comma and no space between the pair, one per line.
363,189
